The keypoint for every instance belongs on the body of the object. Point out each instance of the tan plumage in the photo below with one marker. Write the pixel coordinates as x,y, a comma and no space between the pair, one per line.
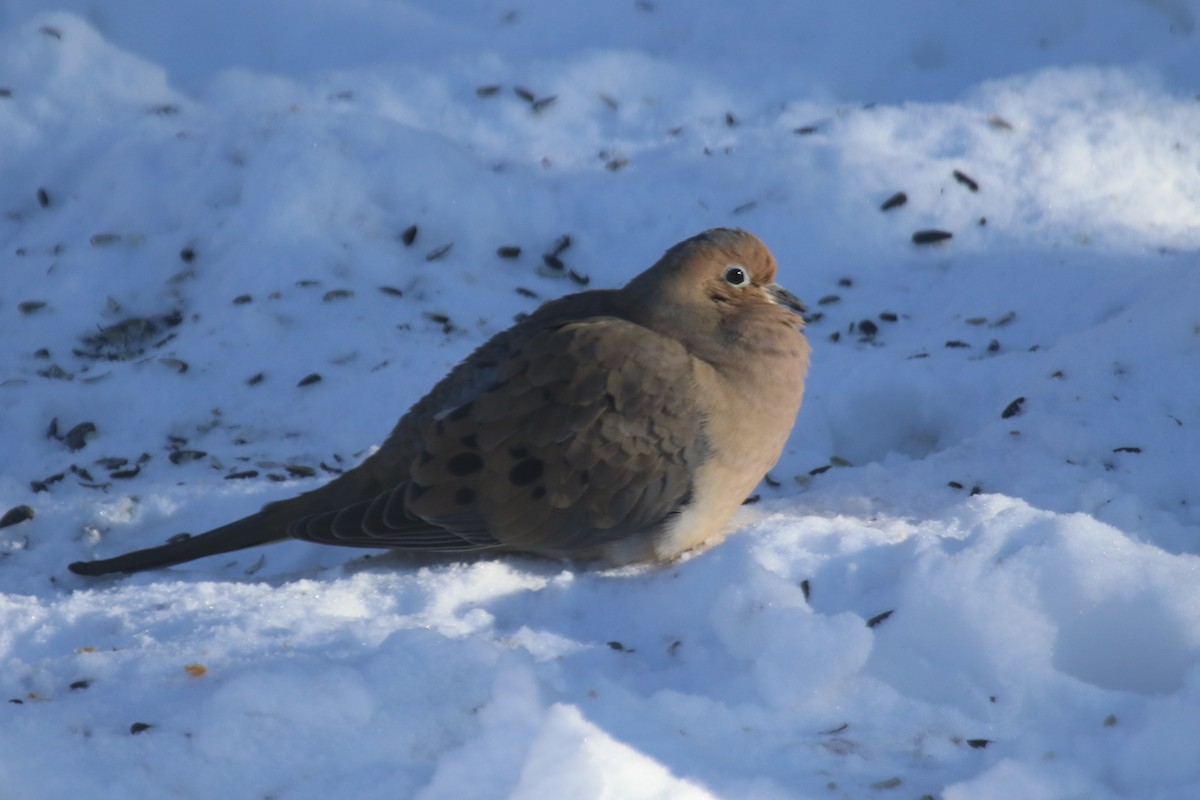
625,425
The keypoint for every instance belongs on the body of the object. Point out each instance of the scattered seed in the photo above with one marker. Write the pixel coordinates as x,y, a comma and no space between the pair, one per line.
820,470
1127,449
52,32
1004,320
242,299
77,438
508,251
978,744
1110,720
975,320
125,474
184,456
890,783
521,290
730,119
5,91
409,235
165,109
300,471
868,328
104,239
966,180
487,91
954,484
616,164
309,379
43,197
956,343
608,100
30,306
805,130
994,346
999,122
620,648
836,336
769,481
16,515
392,291
255,379
337,294
438,252
578,278
895,201
77,685
331,470
187,254
878,618
836,730
244,474
524,94
976,490
806,588
674,132
752,499
195,670
829,299
931,236
888,316
553,262
747,206
139,727
541,104
1013,409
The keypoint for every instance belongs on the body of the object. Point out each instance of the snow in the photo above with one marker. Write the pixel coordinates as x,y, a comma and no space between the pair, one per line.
238,177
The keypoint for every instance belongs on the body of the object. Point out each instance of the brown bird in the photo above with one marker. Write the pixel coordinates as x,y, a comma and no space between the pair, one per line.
624,425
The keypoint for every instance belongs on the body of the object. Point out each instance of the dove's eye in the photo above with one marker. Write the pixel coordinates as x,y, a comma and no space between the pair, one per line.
736,275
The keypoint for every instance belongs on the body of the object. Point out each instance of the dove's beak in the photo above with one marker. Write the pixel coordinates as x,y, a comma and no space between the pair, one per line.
785,298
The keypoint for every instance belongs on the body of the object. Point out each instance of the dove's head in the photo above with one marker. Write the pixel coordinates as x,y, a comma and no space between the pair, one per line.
714,290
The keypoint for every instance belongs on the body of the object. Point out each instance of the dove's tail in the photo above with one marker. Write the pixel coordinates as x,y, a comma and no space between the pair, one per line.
249,531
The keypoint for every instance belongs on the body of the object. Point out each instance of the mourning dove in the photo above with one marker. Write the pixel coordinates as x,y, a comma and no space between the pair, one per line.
624,425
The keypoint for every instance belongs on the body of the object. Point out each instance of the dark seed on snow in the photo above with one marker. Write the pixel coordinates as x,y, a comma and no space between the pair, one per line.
487,91
966,180
309,379
508,251
931,236
43,197
878,618
184,456
246,473
438,252
888,316
1013,408
895,201
561,244
409,235
16,515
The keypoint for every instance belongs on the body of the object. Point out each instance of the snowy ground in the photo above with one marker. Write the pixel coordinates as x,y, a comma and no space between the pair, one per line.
238,179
